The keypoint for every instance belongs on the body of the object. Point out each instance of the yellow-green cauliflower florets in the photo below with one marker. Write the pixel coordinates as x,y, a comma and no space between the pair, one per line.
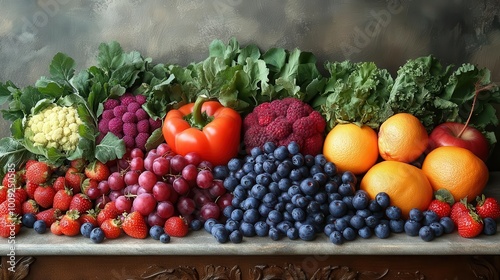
55,127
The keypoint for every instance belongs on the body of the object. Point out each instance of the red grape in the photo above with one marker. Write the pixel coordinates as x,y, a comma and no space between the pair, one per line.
93,192
177,163
163,149
116,181
189,172
210,210
114,194
206,165
148,161
144,203
131,177
181,186
217,189
161,166
165,209
123,204
155,219
103,186
193,158
185,206
102,200
137,163
161,191
204,179
136,152
147,180
225,200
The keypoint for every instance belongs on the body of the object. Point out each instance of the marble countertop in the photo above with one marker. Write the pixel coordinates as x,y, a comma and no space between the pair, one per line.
28,243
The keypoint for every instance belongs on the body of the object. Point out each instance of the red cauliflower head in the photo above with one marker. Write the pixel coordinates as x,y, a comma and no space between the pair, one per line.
283,121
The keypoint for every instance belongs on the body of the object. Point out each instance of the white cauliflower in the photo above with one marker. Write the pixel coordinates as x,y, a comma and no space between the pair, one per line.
55,127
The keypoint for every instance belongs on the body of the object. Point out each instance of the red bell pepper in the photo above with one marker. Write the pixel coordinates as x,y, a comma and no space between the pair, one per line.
205,127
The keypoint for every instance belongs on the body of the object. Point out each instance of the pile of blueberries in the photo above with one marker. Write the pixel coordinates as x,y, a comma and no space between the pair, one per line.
279,192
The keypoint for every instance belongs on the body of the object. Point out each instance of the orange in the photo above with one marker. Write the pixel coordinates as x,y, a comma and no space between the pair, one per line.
456,169
351,147
402,137
406,185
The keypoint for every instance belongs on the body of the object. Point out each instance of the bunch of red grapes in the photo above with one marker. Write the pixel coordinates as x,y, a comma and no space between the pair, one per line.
161,184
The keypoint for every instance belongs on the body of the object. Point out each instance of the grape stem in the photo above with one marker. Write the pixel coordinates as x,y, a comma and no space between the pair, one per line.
476,93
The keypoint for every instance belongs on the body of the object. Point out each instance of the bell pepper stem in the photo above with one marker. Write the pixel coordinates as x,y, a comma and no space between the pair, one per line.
197,115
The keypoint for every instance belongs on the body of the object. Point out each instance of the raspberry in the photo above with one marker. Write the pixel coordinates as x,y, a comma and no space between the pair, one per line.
130,129
141,114
118,111
141,139
108,114
111,103
141,99
127,98
154,124
143,126
116,126
129,117
134,106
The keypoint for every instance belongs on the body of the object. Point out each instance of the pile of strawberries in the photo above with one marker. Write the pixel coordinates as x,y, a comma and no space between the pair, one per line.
471,219
59,197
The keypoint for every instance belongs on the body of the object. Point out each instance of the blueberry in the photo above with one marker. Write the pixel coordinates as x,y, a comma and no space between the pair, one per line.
269,147
29,220
416,215
307,232
295,175
309,160
382,231
275,234
426,233
430,217
397,225
313,207
258,168
346,189
165,238
275,216
490,226
156,231
363,213
284,226
338,208
216,227
383,200
239,174
274,188
236,236
247,181
412,227
357,221
237,214
221,234
349,234
330,169
227,211
321,178
374,206
281,153
298,160
269,166
393,212
240,192
341,224
309,186
336,238
97,235
334,196
255,151
209,224
293,148
263,179
230,183
349,178
328,229
448,224
372,221
221,172
321,197
258,191
437,228
299,214
315,169
39,226
86,228
365,232
234,164
251,216
348,202
270,200
232,225
292,233
247,229
247,167
360,200
293,190
284,184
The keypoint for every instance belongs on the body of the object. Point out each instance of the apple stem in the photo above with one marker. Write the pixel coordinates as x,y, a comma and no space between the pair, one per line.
476,93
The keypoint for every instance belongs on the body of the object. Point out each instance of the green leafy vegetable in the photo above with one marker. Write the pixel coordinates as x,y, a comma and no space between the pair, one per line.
110,148
12,155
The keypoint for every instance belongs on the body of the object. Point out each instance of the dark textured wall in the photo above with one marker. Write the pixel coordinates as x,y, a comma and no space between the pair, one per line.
386,32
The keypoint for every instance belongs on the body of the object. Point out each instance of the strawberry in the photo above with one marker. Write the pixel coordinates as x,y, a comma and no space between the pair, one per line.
12,179
20,195
29,163
30,189
16,207
87,184
111,228
441,208
30,206
69,223
6,222
135,226
78,164
487,207
80,202
38,172
458,209
59,183
49,216
469,224
44,196
74,179
3,193
176,227
108,212
55,228
89,217
62,199
97,170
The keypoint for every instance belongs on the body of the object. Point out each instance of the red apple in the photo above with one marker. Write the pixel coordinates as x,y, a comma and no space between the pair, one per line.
450,134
